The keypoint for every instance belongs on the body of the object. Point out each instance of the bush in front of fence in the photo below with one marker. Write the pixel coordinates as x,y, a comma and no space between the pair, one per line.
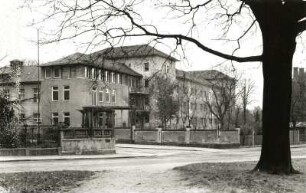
9,137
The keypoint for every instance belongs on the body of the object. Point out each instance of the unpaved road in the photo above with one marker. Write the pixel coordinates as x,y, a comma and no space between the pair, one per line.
151,173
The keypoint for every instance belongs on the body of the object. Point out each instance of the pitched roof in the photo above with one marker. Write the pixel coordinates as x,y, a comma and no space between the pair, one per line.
144,50
76,58
28,74
189,76
92,60
210,74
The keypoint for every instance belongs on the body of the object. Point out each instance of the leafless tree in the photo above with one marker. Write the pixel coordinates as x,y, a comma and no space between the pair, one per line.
246,97
222,97
280,22
189,98
298,100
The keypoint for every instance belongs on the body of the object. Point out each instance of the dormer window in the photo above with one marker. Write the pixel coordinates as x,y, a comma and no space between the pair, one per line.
48,72
57,73
146,66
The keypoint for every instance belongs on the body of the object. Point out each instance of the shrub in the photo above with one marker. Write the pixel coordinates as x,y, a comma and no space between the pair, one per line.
9,137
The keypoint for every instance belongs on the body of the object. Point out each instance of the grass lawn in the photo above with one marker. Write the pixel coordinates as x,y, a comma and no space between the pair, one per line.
237,178
30,182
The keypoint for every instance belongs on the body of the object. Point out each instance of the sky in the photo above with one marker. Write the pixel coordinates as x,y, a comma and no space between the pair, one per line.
18,40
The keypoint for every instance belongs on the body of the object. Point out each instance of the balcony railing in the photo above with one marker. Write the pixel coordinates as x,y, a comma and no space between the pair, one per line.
78,132
139,90
141,107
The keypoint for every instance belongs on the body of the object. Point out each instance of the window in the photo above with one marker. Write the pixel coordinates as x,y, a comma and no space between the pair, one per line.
66,93
73,72
118,78
94,96
147,83
21,94
67,119
36,118
191,91
89,73
86,71
48,72
106,76
167,68
113,77
35,95
100,119
93,73
99,75
6,93
57,73
22,117
100,96
54,93
146,66
54,118
201,93
114,96
107,97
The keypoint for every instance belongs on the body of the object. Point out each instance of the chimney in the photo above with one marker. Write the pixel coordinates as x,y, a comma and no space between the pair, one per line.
295,73
16,63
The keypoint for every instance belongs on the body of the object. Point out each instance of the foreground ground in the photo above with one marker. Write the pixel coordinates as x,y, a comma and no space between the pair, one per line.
163,169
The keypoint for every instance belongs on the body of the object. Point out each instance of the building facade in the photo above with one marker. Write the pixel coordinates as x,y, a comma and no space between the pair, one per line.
114,78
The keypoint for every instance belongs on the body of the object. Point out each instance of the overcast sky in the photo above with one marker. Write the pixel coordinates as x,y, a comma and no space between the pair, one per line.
18,41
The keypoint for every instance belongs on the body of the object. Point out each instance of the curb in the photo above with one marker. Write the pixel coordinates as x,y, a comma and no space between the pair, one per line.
77,158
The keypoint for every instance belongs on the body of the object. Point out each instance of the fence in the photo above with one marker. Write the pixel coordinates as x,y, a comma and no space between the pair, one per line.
33,136
177,137
253,139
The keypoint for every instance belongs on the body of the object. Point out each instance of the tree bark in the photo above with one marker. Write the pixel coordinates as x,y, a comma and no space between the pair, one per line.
278,50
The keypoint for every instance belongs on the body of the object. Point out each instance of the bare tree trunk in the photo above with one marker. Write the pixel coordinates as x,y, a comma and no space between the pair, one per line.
278,49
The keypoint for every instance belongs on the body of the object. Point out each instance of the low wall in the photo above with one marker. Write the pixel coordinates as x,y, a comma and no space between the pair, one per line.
88,146
203,137
188,137
146,137
29,151
173,137
247,140
294,137
122,134
229,137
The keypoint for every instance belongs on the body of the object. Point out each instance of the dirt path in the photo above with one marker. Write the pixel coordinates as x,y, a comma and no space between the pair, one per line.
137,181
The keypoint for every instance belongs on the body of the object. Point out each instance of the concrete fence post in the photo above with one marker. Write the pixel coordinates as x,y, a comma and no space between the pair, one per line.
253,138
62,136
187,135
27,152
159,135
133,134
238,133
298,136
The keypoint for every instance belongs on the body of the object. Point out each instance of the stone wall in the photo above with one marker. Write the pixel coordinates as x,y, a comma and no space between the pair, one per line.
250,140
180,137
88,146
147,137
173,137
123,134
204,137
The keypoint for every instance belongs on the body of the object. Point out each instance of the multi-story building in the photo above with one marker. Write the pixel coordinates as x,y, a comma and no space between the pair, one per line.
80,87
21,84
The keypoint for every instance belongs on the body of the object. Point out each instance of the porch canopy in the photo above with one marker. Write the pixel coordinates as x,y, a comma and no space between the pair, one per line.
100,116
